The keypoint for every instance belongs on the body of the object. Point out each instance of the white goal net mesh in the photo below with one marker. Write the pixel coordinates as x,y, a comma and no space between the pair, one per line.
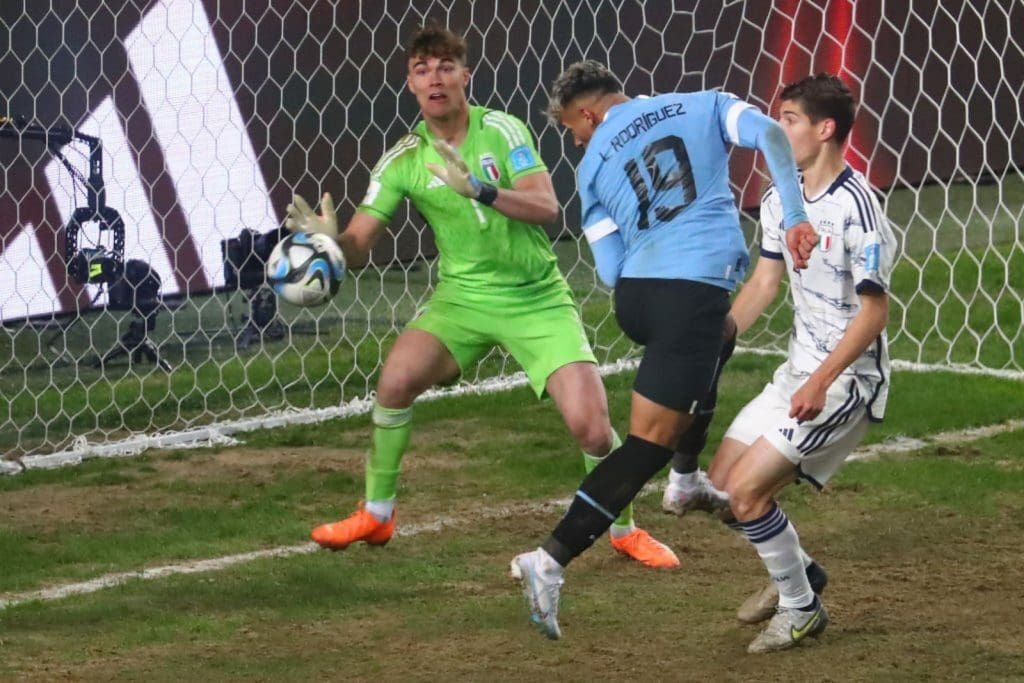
203,117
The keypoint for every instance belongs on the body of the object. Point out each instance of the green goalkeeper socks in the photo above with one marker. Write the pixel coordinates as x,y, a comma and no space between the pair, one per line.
625,518
392,427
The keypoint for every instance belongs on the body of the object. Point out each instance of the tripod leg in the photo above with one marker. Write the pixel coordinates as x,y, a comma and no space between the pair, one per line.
136,344
127,345
119,350
149,351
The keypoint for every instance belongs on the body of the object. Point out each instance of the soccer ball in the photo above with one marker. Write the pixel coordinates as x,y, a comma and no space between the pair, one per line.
306,269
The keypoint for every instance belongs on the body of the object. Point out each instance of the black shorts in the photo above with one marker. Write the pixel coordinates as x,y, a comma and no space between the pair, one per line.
679,322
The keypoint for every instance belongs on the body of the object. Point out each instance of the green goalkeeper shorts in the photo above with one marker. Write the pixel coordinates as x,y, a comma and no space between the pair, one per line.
539,326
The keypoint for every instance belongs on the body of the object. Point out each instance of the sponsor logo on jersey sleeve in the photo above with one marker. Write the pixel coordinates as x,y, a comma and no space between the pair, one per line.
871,252
522,158
490,167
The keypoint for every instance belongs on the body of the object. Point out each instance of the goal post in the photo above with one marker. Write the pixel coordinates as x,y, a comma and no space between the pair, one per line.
211,115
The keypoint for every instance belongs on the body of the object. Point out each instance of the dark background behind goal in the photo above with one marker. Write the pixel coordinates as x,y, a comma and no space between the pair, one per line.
320,86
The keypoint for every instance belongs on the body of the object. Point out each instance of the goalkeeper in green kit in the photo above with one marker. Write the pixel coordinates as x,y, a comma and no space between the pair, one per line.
475,176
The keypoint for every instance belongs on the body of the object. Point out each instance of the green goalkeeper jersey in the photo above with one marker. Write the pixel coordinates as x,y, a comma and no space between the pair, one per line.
481,250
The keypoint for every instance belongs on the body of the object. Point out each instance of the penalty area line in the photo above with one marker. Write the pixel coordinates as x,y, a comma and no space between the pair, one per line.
440,523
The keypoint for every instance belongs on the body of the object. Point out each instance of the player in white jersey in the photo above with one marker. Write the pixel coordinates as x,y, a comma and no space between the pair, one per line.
835,381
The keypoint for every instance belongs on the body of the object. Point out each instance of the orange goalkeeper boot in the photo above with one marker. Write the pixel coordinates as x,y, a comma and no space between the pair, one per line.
359,526
641,546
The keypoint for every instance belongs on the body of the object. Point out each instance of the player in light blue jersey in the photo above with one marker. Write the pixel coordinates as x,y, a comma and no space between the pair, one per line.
655,183
663,226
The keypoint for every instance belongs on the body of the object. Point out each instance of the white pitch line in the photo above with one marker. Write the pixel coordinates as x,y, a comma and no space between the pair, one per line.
111,580
898,445
219,563
909,445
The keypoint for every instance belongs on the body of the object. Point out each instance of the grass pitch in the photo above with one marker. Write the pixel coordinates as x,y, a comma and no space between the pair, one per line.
922,551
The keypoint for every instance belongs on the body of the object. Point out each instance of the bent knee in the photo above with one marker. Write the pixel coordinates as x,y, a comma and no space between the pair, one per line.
397,389
593,435
745,500
596,442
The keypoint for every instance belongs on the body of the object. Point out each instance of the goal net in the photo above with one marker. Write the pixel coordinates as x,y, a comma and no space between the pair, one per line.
209,115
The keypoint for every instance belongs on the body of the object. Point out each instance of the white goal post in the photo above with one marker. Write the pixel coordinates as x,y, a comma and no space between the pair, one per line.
208,115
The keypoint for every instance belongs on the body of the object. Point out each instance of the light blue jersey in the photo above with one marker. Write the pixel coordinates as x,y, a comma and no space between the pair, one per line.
656,175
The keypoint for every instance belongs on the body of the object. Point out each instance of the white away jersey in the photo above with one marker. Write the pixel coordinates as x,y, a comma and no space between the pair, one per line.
855,253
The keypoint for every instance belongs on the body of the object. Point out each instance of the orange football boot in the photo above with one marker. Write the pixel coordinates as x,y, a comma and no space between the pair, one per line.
642,547
359,526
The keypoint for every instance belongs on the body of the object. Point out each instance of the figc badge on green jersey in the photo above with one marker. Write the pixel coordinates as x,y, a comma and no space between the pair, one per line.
490,167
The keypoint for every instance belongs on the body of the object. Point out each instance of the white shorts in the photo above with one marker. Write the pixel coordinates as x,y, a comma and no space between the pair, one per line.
817,447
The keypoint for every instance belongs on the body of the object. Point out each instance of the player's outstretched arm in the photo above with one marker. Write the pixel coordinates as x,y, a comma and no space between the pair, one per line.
356,241
864,329
359,237
531,199
757,293
755,130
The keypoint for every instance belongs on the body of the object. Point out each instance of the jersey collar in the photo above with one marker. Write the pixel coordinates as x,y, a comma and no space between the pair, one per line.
846,174
476,115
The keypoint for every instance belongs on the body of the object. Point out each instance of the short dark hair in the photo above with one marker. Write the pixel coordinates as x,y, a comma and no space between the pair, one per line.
824,96
582,78
434,40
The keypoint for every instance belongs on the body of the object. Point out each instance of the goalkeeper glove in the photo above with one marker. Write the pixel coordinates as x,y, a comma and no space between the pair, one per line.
456,175
301,218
